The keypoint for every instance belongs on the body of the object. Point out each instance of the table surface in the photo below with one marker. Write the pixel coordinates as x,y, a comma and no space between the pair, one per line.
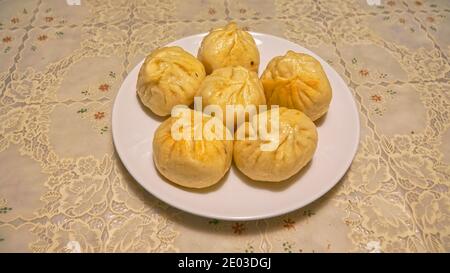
64,189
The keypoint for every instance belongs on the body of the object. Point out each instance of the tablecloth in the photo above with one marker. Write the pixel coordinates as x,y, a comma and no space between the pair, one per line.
64,189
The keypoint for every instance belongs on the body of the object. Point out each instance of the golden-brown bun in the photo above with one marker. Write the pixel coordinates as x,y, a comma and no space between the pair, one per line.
169,76
191,162
297,81
232,86
228,46
296,146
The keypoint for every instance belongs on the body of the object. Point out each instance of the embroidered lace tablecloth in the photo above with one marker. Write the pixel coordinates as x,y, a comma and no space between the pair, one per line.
64,189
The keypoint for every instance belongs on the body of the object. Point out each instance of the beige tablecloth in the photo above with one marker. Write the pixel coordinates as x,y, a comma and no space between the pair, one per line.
63,187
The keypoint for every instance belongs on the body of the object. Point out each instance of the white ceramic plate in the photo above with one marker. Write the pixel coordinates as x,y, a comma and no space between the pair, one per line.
236,197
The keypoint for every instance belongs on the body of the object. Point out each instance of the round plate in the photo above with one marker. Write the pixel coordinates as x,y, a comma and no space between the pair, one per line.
237,197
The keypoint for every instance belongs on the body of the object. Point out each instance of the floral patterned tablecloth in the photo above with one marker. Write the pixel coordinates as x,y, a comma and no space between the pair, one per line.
64,189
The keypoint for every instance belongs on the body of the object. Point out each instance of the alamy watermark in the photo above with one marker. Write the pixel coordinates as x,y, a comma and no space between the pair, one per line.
374,2
73,2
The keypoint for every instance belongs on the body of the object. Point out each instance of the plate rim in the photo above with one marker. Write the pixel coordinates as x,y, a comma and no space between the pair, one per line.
271,214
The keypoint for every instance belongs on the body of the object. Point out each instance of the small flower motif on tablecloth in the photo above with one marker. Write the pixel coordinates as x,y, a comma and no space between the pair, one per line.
382,76
287,246
238,228
364,72
42,37
5,210
211,11
48,19
242,11
375,98
99,115
249,249
391,92
418,3
378,100
379,111
7,39
104,129
82,111
289,223
391,3
15,20
432,22
213,222
104,87
402,20
308,213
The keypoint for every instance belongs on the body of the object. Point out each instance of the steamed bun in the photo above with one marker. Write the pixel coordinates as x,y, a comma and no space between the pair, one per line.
297,81
232,86
168,77
292,151
192,162
228,46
